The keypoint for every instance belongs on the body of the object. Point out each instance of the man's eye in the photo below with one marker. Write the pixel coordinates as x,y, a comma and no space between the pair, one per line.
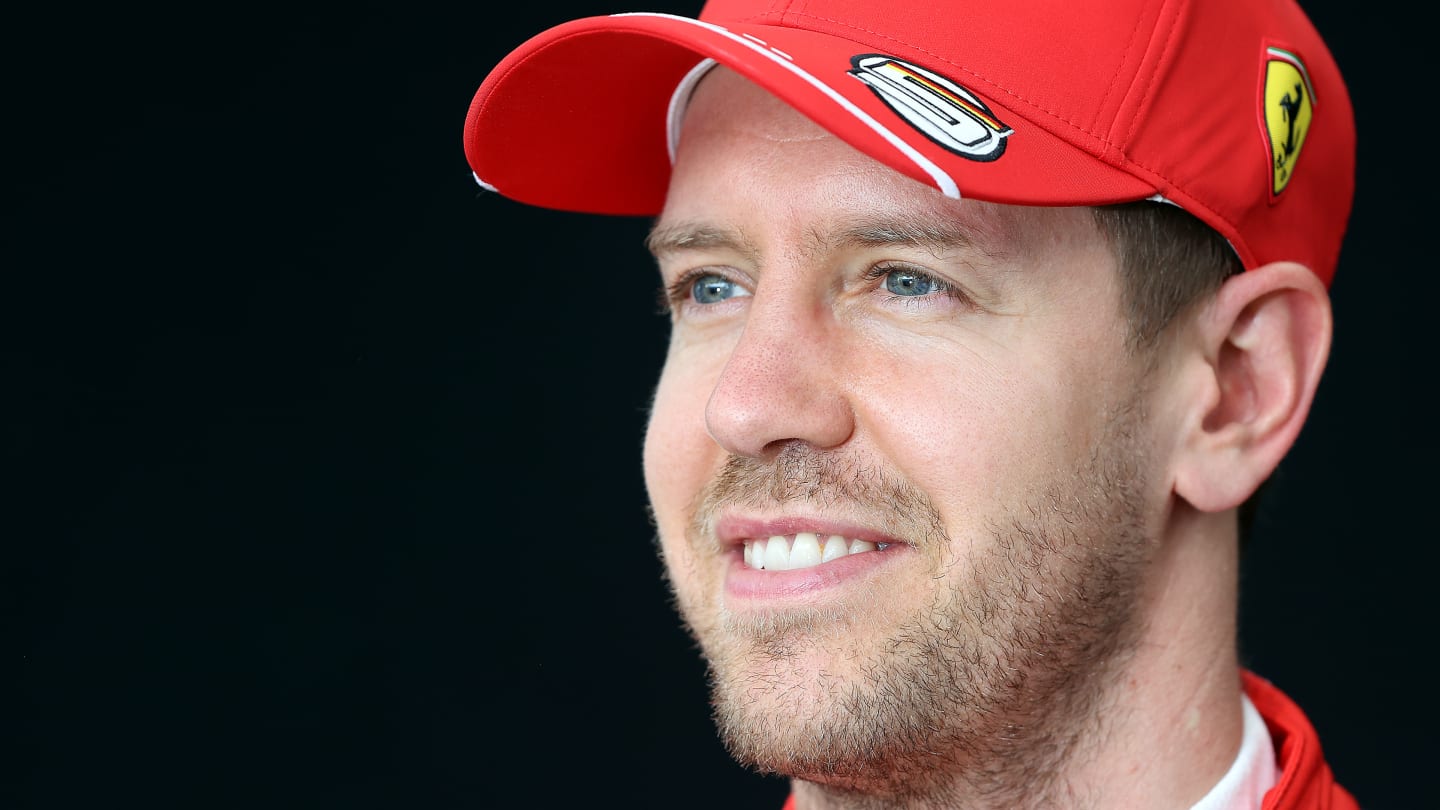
910,284
712,289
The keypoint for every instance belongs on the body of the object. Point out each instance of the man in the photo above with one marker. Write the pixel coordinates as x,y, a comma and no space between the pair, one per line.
986,323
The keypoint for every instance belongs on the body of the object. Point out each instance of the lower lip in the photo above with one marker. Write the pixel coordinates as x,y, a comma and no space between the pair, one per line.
746,584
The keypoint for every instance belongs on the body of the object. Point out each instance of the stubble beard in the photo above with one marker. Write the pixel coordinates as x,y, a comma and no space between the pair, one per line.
977,699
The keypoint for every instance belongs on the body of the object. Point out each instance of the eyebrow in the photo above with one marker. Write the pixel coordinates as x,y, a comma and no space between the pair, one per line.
667,239
938,237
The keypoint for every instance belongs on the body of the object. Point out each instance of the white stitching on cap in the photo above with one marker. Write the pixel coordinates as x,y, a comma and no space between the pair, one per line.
942,180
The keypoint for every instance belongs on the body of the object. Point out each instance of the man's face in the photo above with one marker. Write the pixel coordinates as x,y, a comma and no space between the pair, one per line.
931,405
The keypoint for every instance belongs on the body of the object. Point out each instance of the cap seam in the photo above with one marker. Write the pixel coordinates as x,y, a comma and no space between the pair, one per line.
1144,100
1115,79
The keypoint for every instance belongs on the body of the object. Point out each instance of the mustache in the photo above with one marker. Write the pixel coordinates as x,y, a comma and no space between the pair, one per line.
821,479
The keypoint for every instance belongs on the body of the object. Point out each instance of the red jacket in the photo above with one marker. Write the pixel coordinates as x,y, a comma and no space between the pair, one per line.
1305,781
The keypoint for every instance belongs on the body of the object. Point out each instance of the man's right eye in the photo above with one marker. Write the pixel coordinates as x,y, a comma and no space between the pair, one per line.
701,287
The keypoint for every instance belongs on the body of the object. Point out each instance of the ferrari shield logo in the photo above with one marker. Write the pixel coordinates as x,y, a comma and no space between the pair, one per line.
1289,106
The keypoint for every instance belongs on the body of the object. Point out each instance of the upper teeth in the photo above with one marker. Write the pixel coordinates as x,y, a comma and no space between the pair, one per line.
804,550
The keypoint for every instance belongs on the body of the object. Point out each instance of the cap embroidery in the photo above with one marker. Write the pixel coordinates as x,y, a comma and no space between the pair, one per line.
939,108
1289,106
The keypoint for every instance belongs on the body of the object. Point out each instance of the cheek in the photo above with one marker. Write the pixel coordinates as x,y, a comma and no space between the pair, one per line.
973,434
679,455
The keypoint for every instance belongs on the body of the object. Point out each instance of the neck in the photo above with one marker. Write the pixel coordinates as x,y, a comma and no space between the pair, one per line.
1179,723
1169,722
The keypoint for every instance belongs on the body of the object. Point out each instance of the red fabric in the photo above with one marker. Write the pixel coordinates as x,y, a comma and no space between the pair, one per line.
1107,100
1306,782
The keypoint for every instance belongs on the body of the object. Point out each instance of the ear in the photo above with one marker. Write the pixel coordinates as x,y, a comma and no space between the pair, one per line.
1256,354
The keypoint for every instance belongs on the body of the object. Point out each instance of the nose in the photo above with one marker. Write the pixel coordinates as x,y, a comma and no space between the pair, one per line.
784,382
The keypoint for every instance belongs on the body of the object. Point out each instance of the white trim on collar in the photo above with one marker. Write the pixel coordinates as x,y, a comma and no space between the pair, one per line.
1253,773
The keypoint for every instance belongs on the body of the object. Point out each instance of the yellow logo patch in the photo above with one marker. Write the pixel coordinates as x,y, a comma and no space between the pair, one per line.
1289,107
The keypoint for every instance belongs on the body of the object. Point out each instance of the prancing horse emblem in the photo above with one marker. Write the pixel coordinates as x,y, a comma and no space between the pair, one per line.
1289,107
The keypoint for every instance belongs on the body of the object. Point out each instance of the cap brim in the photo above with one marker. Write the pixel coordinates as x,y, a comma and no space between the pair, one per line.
578,118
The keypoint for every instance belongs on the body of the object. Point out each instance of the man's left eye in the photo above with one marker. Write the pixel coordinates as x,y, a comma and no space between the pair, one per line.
910,283
713,288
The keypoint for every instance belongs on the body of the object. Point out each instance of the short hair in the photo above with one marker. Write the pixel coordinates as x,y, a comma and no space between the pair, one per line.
1169,261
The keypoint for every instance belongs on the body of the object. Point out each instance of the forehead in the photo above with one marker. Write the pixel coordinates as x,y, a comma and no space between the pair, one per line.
738,142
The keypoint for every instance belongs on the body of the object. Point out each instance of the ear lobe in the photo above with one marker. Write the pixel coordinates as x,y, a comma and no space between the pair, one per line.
1263,343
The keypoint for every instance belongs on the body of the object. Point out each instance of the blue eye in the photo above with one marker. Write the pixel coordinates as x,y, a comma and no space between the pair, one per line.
712,289
909,283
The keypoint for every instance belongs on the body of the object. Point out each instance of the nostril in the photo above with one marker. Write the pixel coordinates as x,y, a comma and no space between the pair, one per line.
782,381
758,415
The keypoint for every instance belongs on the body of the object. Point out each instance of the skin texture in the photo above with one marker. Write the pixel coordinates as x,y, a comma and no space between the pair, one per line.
1052,624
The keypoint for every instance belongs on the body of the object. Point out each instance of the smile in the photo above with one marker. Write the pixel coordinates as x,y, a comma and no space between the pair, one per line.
802,550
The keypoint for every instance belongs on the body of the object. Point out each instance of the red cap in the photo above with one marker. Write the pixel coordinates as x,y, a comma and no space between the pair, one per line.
1232,109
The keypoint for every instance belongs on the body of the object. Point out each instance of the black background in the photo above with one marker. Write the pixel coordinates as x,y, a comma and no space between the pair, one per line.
325,466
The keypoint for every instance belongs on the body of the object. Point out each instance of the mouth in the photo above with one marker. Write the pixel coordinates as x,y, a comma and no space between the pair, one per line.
790,560
801,550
